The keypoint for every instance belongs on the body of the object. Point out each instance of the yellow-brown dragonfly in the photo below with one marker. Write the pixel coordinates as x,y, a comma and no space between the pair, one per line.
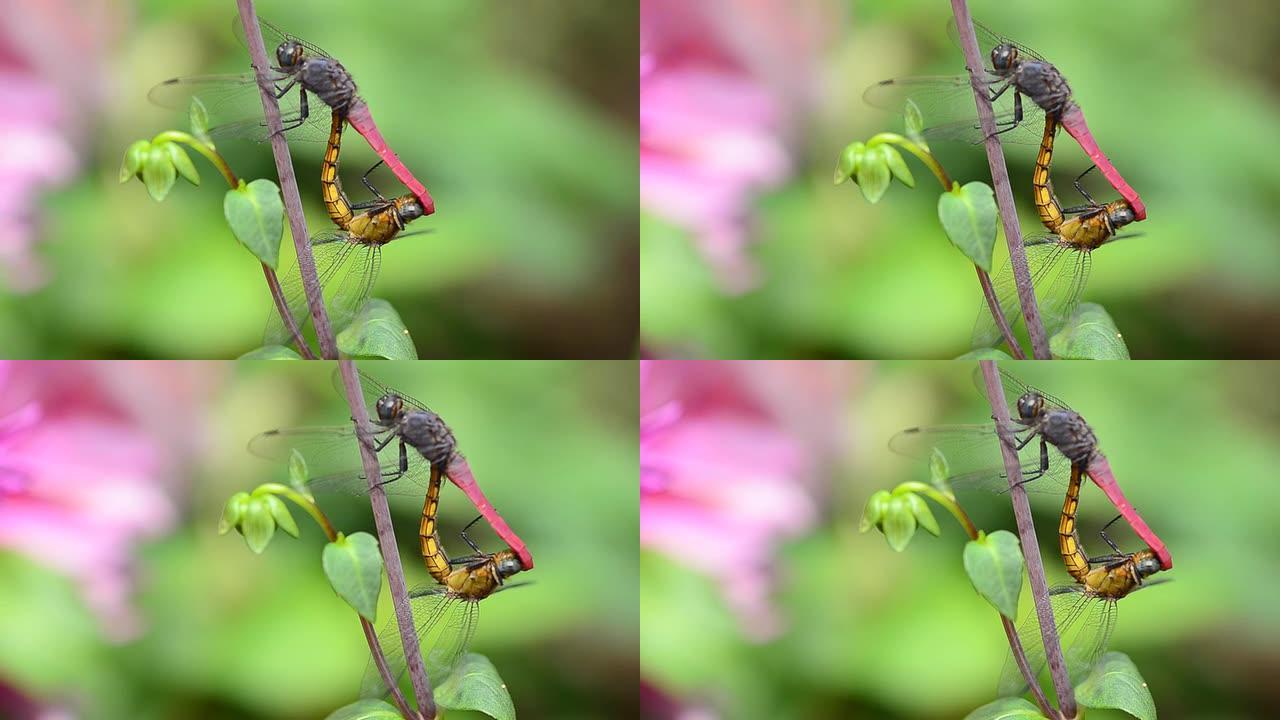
1085,612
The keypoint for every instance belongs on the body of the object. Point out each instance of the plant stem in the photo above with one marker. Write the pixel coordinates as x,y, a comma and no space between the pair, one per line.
984,280
288,183
387,541
945,501
1000,180
305,503
273,283
1031,553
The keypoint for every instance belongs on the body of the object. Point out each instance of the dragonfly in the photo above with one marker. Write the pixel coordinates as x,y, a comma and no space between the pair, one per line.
947,106
1084,612
235,107
406,431
1049,437
1060,260
347,258
444,616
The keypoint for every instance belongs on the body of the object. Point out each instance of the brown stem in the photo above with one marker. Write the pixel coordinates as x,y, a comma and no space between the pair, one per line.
282,307
387,542
997,314
1000,180
1031,553
371,637
288,183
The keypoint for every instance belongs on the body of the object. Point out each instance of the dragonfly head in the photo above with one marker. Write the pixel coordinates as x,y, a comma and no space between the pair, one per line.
1120,213
389,407
409,208
289,54
1030,405
1146,563
1003,57
508,564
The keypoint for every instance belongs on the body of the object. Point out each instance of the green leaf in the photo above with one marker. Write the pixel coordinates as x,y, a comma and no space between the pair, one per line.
898,166
924,516
133,157
994,565
365,710
873,174
280,512
232,512
915,124
377,332
1006,709
899,523
257,525
182,162
475,684
354,568
968,216
1116,683
199,121
873,512
157,172
939,471
1090,334
271,352
985,354
849,161
256,216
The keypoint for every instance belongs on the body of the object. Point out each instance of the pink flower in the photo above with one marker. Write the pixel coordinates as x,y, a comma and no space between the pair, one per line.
81,480
52,65
721,85
721,480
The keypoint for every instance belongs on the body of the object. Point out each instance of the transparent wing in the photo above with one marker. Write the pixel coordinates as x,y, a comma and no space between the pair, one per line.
334,463
444,624
985,331
948,108
373,389
235,106
1060,288
974,460
1079,616
333,252
1015,388
350,292
1046,262
988,39
272,36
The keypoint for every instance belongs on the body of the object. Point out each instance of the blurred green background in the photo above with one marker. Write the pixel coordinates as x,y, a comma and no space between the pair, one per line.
1182,96
519,117
872,633
233,635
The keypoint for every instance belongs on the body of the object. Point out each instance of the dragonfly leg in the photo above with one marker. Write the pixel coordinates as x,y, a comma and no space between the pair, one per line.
468,539
1080,188
365,179
1106,538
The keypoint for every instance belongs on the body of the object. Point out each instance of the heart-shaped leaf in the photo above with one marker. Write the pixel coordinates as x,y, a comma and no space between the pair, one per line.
377,332
271,352
985,354
968,215
994,565
255,213
354,568
1006,709
1090,334
365,710
475,684
1116,683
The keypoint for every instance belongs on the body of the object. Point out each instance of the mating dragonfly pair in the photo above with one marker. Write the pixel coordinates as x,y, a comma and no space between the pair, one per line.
1055,447
416,451
1059,259
348,257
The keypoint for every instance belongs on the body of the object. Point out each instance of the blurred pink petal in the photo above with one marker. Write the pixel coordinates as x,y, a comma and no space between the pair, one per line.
83,481
721,87
722,482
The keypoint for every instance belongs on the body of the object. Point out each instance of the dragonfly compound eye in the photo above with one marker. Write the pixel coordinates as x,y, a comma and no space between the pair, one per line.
1003,56
410,210
1029,405
1148,566
389,407
289,53
1122,215
509,565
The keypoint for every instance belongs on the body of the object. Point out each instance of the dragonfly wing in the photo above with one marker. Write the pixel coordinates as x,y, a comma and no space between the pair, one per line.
973,457
330,251
427,606
985,332
334,462
272,36
1068,604
987,40
1015,388
374,389
1064,287
1086,635
350,292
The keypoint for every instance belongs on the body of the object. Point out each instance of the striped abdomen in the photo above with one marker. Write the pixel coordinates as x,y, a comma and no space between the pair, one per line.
1068,539
432,553
1047,206
335,202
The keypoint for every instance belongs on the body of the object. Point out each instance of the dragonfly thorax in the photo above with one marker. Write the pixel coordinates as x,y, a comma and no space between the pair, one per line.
289,54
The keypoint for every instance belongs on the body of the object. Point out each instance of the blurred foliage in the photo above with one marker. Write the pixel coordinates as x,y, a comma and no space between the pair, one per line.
872,633
231,634
1181,96
520,118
